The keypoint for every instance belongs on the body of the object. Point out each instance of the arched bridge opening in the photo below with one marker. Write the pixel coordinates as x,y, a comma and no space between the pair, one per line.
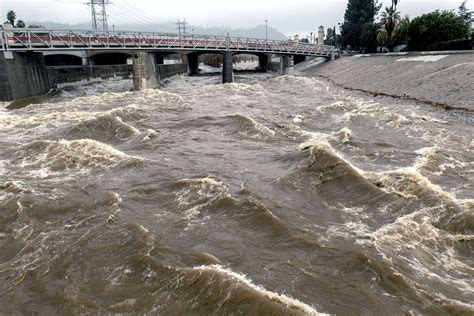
217,59
162,58
62,60
257,61
110,59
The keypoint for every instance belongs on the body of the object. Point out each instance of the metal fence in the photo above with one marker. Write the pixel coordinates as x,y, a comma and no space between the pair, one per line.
44,40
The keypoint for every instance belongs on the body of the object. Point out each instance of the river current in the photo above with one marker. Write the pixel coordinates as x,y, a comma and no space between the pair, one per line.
272,195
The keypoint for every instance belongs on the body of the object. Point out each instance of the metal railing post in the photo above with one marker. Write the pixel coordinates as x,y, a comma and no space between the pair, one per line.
4,42
227,40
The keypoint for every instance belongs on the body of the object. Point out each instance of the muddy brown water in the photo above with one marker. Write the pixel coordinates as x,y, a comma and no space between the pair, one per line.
273,195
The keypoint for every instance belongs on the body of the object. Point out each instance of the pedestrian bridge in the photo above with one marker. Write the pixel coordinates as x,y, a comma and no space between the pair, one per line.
44,40
28,56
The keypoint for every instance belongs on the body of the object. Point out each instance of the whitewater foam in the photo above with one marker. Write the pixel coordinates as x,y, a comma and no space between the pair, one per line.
249,125
283,299
46,158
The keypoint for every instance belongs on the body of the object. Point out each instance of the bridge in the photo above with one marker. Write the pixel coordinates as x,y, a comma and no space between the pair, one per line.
148,48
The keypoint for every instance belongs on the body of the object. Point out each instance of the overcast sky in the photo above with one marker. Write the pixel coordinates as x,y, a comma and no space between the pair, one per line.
289,17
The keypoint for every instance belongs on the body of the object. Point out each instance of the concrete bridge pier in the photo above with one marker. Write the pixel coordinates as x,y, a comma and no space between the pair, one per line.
263,61
284,64
144,71
193,64
22,75
228,71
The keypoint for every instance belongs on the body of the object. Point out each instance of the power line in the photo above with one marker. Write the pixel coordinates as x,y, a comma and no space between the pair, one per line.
143,14
128,20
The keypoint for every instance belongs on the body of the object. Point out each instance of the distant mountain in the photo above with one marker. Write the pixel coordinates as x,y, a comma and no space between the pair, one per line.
255,32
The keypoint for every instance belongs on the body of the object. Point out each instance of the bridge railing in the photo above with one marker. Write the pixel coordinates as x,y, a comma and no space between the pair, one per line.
41,40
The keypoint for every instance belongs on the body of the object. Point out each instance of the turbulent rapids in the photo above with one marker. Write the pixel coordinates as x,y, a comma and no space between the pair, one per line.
273,195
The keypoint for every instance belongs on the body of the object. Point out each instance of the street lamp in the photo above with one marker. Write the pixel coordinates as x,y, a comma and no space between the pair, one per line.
266,33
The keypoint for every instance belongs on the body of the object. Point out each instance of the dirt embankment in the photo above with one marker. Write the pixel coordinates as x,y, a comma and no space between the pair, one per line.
439,79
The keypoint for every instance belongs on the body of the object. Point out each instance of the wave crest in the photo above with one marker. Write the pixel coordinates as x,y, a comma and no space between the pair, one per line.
82,156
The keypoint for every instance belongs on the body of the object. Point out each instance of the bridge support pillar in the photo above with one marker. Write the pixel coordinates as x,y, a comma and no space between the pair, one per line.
298,59
144,71
193,64
284,63
22,75
263,61
228,71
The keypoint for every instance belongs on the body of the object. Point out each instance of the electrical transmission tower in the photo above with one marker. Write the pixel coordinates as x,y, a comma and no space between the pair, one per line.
181,26
99,14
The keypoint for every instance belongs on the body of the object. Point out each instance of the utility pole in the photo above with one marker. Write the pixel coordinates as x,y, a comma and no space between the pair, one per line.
266,33
99,14
181,26
266,30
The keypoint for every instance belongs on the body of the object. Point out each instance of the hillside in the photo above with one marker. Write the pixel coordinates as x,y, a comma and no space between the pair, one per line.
255,32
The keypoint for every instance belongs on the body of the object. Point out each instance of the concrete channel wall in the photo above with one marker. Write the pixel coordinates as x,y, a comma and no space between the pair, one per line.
442,79
274,66
22,75
65,74
169,70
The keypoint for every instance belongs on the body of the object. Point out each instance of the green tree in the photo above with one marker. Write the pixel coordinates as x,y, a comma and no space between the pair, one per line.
358,13
464,13
11,17
426,32
382,38
400,37
329,36
20,24
369,35
390,19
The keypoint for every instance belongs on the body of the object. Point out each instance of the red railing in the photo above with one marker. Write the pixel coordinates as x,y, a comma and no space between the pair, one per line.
41,40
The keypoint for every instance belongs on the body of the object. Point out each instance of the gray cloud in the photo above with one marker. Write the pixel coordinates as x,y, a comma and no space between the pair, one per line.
290,17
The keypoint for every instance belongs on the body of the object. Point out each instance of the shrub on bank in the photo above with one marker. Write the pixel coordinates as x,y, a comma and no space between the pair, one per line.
459,44
435,30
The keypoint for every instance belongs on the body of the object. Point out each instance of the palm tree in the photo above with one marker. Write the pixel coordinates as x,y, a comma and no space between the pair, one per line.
11,17
369,35
390,19
382,39
395,3
400,35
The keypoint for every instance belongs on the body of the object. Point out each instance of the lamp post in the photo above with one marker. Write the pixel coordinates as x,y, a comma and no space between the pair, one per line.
266,33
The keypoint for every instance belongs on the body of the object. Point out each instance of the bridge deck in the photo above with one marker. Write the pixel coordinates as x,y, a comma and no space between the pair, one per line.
44,40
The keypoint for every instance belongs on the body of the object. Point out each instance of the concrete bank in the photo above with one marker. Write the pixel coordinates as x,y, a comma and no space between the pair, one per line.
440,79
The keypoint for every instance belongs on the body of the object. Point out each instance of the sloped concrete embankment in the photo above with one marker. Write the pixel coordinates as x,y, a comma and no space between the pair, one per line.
440,79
